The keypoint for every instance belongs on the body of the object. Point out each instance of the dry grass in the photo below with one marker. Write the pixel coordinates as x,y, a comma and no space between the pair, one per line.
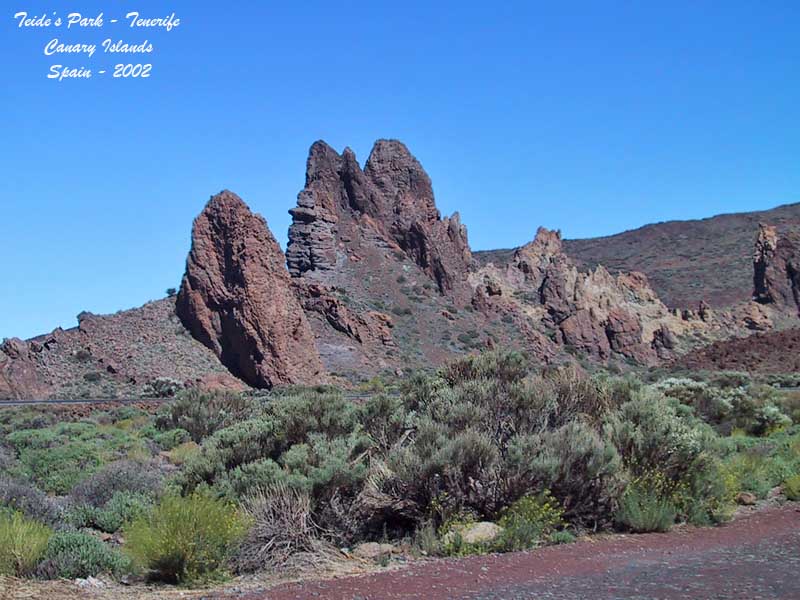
283,536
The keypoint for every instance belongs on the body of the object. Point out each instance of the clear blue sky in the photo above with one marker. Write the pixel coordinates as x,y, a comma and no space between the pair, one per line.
589,117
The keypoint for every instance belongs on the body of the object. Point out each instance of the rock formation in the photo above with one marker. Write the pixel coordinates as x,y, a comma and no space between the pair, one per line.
388,204
236,298
776,269
18,375
593,312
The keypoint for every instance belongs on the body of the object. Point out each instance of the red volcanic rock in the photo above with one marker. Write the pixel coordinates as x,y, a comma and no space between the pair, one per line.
624,332
392,197
776,269
582,332
236,298
370,327
19,378
664,342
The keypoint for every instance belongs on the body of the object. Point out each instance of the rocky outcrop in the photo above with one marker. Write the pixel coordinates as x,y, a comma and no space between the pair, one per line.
371,327
776,269
593,312
389,203
236,298
19,378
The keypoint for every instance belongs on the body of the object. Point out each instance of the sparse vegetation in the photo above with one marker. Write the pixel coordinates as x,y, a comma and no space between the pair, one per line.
22,543
224,482
185,539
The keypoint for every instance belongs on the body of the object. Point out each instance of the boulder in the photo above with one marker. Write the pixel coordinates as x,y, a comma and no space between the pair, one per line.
746,499
373,551
474,533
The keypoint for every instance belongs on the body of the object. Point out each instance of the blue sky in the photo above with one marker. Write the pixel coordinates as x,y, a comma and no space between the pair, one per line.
591,117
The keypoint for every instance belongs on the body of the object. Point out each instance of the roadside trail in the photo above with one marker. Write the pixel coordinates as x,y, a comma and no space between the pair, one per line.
755,557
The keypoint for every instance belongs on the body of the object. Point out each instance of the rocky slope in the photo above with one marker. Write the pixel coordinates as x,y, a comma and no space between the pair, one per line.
142,351
376,281
685,261
767,352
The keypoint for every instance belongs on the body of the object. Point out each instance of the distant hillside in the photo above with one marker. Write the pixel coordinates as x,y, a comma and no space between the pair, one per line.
769,352
685,261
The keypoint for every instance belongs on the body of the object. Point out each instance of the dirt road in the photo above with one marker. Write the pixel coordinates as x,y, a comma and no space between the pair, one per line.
755,557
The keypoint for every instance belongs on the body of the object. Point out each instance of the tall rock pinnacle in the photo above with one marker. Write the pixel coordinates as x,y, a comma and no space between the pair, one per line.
236,298
776,269
392,196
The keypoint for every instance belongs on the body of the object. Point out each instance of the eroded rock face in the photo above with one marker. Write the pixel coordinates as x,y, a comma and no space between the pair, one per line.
370,327
19,378
390,203
593,312
236,298
776,269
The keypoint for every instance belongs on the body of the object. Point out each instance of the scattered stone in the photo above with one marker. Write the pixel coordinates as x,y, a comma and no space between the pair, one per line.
746,499
474,533
373,550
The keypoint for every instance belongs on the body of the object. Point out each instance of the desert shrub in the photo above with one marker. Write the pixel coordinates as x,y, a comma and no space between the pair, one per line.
185,539
651,434
730,401
201,413
163,387
757,411
562,537
58,457
28,417
647,504
22,543
711,404
121,508
705,496
121,476
182,453
282,534
791,487
474,442
32,502
172,438
789,403
305,438
528,521
582,469
71,554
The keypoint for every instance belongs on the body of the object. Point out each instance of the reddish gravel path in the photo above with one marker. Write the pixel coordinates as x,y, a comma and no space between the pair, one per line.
756,557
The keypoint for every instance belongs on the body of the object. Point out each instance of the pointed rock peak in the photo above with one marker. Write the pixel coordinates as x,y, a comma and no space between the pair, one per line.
236,298
322,162
389,150
766,241
546,243
225,206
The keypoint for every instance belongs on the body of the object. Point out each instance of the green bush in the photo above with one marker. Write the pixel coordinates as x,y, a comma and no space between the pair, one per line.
528,521
70,555
307,439
121,508
172,438
201,413
60,456
22,543
129,476
185,539
647,505
791,487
